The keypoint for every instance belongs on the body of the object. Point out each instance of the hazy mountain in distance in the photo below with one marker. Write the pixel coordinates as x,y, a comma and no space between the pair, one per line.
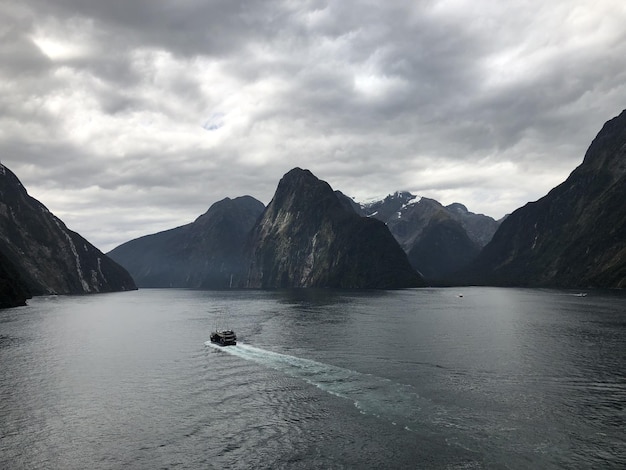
206,253
438,240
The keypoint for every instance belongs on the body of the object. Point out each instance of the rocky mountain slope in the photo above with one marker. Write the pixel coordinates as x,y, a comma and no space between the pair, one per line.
309,237
13,291
204,254
50,258
438,240
480,228
575,236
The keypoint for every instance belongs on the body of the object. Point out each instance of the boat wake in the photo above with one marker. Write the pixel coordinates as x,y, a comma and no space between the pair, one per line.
373,395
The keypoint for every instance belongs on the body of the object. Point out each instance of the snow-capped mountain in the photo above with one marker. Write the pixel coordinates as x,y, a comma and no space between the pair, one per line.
438,240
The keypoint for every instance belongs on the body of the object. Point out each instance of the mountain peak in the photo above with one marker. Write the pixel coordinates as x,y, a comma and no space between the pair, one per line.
458,208
203,254
402,196
300,191
304,180
608,150
298,173
308,237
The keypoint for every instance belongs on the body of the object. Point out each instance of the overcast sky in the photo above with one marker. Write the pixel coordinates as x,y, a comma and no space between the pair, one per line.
127,117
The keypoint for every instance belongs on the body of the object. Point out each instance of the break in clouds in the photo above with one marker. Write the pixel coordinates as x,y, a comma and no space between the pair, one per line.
126,118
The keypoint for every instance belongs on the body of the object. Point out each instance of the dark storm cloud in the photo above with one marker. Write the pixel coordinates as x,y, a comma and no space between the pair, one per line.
188,27
164,106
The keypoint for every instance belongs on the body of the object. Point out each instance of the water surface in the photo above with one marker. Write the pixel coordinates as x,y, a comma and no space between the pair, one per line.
427,378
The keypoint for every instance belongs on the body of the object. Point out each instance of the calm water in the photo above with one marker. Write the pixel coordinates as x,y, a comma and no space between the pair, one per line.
497,378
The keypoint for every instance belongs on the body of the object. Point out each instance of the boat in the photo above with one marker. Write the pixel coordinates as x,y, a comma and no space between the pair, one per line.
224,337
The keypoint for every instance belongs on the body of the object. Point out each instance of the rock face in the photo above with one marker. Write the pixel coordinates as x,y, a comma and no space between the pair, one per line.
438,240
50,258
479,228
575,236
204,254
309,237
13,291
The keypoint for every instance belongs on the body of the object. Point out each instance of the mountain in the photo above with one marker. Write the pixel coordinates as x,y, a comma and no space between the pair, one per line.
309,237
206,253
438,240
575,236
479,228
48,257
443,247
407,216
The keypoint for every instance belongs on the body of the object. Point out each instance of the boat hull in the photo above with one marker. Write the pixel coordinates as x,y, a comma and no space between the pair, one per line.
224,338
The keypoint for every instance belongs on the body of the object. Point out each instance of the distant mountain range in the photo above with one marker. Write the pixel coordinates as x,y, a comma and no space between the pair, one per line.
39,255
309,235
573,237
312,236
305,237
438,240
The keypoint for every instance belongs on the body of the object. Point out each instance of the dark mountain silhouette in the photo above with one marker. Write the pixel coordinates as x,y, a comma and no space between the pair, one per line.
48,257
204,254
575,236
13,291
309,237
443,247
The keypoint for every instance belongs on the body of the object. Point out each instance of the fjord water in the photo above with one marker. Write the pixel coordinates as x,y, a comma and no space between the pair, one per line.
426,378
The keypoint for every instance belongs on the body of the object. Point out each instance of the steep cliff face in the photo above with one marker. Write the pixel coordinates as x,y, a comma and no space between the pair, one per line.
308,237
204,254
50,258
13,291
575,236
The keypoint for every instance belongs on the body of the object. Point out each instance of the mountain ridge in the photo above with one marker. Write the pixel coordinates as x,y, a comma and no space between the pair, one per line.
203,254
439,240
574,236
50,258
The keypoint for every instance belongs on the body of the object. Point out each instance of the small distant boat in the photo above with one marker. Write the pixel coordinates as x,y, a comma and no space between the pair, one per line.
224,337
581,294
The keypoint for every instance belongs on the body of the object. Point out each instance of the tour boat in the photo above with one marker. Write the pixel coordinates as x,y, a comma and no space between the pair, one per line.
224,337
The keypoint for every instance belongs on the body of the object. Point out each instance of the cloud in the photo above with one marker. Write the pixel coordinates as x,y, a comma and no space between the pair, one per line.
114,109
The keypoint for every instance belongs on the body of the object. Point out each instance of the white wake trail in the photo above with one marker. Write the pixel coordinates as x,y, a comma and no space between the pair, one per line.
397,403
